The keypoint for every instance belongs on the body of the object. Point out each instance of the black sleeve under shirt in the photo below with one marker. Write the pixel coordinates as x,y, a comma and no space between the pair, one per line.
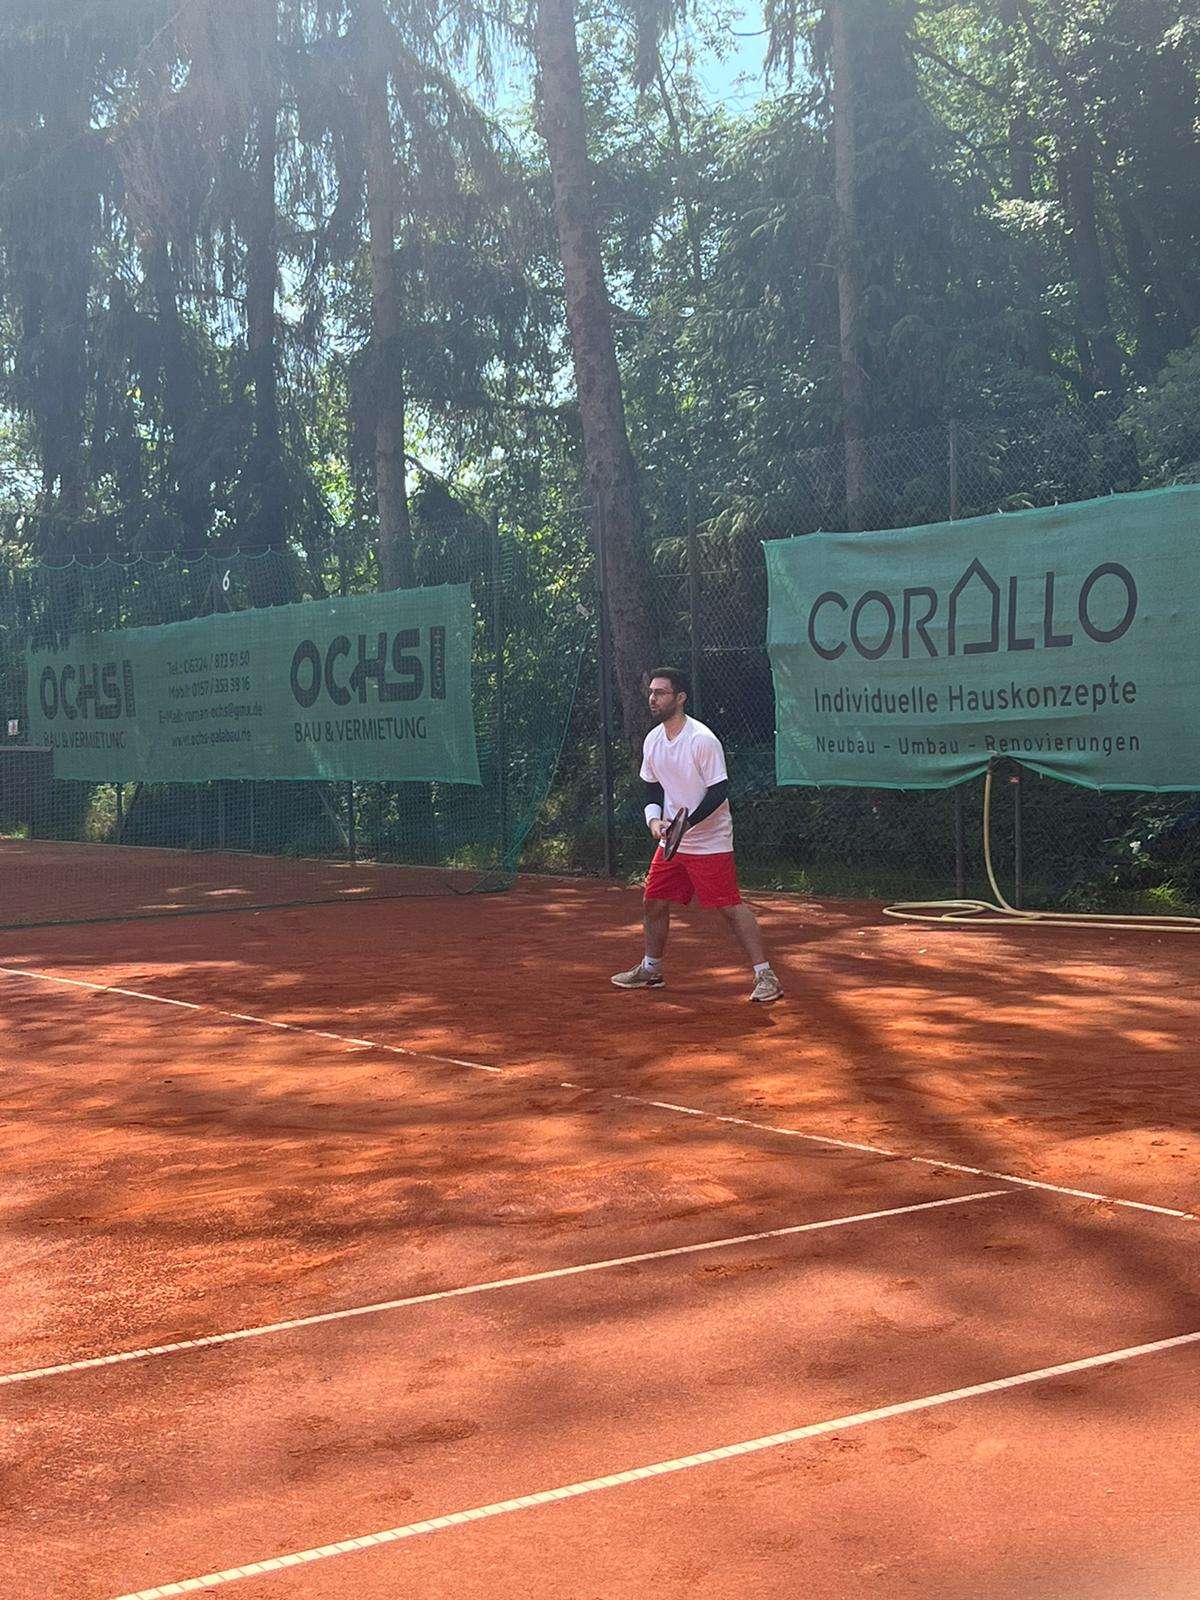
715,795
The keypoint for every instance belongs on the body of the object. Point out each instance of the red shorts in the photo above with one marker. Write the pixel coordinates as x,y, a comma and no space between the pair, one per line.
712,879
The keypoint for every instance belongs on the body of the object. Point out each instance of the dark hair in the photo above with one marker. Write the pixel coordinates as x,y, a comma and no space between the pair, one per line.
677,678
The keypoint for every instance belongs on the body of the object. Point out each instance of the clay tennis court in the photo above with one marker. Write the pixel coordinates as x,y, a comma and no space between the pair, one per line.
541,1289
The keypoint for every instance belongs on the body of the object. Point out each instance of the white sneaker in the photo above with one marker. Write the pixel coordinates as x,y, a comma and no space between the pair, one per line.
639,977
767,988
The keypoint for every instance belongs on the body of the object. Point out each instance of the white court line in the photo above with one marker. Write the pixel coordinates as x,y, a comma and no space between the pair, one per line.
901,1155
208,1340
637,1100
242,1016
658,1469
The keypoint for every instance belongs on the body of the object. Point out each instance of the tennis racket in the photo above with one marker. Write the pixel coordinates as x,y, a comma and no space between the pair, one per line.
670,839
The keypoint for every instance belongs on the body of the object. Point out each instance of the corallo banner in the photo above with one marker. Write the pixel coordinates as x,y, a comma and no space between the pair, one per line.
368,687
1067,638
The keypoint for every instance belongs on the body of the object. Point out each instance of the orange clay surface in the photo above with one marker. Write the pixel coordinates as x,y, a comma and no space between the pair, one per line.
173,1173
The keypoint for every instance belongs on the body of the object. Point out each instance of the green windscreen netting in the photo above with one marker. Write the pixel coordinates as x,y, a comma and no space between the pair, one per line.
198,734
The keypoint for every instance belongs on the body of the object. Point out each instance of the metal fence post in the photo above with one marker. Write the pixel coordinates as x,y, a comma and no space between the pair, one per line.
605,669
1018,841
693,566
960,834
953,444
498,646
351,823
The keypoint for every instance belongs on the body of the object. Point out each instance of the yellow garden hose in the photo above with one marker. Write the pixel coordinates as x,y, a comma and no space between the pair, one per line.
999,914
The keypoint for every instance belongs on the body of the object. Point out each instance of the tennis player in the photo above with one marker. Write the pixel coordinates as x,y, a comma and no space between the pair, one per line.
683,766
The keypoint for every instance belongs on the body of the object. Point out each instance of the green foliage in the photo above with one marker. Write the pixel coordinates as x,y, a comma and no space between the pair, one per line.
130,416
1164,420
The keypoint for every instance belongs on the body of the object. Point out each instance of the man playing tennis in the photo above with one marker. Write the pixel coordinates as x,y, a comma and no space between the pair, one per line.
683,766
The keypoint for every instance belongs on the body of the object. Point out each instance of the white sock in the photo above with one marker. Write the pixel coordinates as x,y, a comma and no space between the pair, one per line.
760,967
652,963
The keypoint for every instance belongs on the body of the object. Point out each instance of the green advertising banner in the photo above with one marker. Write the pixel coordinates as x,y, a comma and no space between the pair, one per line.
369,687
1066,638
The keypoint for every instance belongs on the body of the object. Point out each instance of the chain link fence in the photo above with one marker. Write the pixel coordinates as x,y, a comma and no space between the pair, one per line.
1054,844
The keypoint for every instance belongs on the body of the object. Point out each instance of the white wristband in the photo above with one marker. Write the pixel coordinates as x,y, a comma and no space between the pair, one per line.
653,814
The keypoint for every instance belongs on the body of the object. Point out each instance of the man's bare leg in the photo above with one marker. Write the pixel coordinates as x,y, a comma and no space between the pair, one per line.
745,926
656,919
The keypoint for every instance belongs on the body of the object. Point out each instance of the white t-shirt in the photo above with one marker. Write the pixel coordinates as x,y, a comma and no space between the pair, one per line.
687,766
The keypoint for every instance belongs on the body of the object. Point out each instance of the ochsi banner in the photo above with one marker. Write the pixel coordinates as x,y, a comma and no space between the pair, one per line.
368,687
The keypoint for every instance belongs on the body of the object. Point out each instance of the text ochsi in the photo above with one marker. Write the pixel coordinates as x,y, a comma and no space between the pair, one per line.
398,665
94,689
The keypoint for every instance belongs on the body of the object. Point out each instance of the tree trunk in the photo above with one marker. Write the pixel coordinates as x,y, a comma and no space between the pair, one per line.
612,475
386,365
266,471
57,270
1078,184
1020,148
691,221
185,486
845,161
70,466
1156,330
